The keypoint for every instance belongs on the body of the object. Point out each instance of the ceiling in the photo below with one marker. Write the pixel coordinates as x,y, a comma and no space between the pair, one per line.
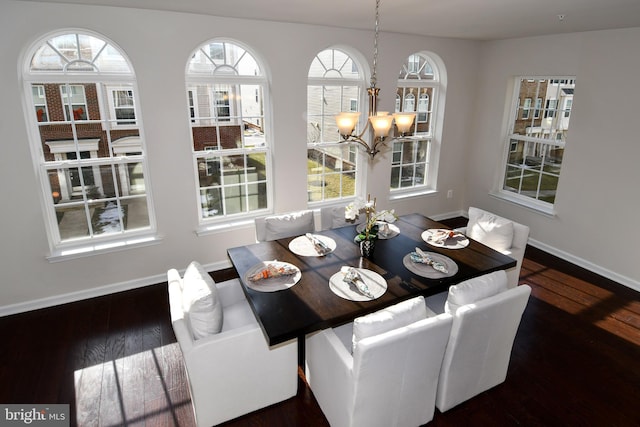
467,19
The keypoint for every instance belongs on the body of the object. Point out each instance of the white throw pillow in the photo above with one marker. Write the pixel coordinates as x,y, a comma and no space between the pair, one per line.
293,224
200,302
491,230
475,289
388,319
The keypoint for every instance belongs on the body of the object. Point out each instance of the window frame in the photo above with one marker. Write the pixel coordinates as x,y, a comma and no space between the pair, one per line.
351,151
536,143
413,87
223,77
85,151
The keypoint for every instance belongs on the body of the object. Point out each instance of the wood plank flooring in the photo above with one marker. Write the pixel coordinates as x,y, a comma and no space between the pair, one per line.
114,359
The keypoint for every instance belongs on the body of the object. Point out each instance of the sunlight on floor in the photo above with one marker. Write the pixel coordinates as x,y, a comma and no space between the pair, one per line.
117,392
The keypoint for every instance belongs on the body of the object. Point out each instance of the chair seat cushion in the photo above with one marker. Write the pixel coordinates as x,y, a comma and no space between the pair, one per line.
238,315
388,319
476,289
489,229
200,302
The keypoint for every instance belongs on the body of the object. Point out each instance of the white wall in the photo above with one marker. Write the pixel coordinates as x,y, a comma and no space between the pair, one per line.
598,197
158,45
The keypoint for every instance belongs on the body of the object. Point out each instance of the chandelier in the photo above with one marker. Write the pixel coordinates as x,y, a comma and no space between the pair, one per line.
380,121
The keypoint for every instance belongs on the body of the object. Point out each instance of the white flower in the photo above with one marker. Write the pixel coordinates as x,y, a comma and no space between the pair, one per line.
388,216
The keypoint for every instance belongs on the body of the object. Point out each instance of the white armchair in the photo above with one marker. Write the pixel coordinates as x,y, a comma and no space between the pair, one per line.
486,315
231,372
275,227
501,234
390,379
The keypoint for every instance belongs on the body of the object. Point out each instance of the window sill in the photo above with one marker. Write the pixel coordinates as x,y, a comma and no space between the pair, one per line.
540,207
220,227
413,192
81,251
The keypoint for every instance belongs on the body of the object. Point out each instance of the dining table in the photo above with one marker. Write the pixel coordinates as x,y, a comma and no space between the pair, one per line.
310,303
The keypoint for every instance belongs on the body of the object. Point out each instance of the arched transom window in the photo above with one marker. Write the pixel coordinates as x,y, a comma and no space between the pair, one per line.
227,96
83,107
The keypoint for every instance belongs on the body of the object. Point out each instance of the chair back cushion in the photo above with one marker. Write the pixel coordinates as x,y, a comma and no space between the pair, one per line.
333,217
200,302
489,229
287,225
390,318
476,289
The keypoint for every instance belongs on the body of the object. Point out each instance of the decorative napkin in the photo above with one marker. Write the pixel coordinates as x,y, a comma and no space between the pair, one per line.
440,236
272,270
318,244
422,257
352,276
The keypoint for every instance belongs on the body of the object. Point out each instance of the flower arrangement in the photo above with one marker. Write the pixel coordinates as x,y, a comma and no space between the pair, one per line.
368,207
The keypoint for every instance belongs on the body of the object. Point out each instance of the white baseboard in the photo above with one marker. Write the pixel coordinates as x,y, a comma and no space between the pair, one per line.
612,275
37,304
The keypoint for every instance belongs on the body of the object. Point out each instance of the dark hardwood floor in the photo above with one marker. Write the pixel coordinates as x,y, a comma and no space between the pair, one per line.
114,359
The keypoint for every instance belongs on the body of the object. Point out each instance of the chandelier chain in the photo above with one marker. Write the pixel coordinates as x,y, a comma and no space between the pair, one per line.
375,46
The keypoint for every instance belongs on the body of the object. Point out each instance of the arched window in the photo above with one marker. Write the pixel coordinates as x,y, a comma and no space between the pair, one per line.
91,157
335,84
227,93
417,90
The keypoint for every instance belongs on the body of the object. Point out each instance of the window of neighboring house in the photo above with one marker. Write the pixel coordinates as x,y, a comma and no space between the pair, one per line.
73,99
93,173
536,111
335,84
227,93
122,104
40,103
526,109
412,156
536,144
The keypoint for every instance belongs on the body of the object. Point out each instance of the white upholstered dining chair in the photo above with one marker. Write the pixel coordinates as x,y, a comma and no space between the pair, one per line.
230,368
503,235
380,370
486,315
275,227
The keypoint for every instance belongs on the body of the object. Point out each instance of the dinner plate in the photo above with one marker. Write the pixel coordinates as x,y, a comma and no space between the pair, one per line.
375,282
459,241
393,231
425,270
273,284
302,246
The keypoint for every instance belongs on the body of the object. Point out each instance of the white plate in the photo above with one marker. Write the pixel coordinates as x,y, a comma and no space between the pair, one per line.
425,270
457,242
302,246
375,282
275,283
393,231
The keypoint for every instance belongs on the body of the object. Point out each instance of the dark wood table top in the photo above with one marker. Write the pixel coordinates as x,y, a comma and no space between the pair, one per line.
310,305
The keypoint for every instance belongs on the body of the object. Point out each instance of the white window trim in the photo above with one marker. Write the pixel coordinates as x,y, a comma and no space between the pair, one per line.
81,247
536,205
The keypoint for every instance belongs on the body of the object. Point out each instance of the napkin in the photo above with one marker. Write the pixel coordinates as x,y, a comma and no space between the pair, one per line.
272,270
422,257
440,236
318,244
352,276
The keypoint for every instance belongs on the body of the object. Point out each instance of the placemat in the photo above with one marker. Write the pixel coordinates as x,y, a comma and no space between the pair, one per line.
425,270
375,282
273,284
